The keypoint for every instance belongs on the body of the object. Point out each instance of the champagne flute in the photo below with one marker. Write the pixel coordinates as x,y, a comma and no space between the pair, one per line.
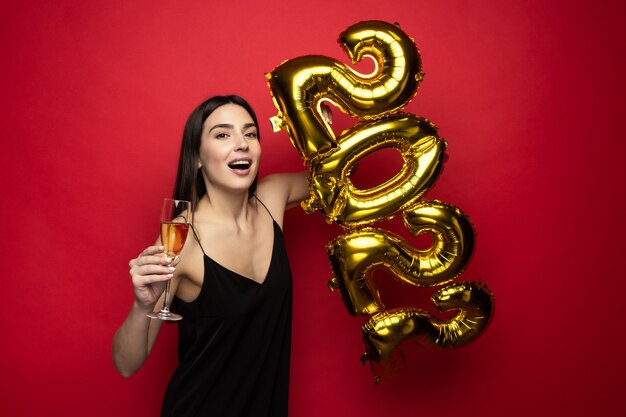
175,219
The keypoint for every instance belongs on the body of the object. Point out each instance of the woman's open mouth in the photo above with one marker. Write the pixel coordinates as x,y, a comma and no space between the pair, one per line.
240,166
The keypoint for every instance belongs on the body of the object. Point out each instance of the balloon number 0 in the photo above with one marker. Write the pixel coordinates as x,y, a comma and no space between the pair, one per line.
298,87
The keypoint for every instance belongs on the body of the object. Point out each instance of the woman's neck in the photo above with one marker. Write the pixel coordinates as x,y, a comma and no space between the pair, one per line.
227,207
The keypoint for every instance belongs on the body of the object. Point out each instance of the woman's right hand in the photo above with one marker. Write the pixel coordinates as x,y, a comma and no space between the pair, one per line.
149,272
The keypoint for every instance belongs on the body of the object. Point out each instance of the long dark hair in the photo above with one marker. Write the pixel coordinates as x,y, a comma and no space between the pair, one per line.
189,182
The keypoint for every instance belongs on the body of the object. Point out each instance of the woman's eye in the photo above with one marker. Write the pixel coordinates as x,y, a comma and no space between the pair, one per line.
251,135
221,135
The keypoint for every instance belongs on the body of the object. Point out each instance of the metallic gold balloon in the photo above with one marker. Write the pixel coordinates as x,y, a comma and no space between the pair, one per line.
299,85
332,191
355,255
453,238
384,332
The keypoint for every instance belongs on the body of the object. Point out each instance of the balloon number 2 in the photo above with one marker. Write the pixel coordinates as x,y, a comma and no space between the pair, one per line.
298,87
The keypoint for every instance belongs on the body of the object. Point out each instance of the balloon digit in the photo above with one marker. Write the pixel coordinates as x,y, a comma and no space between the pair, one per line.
333,193
355,255
384,332
298,85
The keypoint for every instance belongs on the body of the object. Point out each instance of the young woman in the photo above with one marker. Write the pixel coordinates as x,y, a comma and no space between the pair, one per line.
232,284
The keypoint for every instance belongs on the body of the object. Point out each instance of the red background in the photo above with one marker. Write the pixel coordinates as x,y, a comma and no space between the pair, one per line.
528,94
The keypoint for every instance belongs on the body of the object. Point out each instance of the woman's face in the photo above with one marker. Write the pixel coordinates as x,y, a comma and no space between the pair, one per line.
230,149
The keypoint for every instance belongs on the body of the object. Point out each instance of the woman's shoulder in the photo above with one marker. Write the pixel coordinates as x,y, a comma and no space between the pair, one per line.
286,189
282,179
279,192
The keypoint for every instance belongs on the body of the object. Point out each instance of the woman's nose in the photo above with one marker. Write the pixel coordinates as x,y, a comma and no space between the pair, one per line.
242,143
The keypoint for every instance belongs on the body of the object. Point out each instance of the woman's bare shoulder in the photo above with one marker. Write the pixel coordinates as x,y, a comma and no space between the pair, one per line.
286,189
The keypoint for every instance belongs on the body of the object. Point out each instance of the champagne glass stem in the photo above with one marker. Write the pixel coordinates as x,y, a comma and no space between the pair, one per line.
165,310
166,303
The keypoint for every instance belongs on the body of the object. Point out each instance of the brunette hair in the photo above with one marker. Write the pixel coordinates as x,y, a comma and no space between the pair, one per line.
189,182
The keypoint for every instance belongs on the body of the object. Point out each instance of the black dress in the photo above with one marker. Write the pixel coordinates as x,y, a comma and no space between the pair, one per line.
234,344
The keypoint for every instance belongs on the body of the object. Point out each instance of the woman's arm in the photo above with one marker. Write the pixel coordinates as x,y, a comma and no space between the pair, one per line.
135,337
133,340
289,189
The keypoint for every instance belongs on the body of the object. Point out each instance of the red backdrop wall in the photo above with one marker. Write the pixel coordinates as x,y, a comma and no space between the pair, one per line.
528,94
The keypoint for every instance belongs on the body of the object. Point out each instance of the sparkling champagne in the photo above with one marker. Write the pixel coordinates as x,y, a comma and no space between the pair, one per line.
173,236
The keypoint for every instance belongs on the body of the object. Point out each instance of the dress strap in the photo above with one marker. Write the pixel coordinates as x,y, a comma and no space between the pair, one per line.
195,236
268,210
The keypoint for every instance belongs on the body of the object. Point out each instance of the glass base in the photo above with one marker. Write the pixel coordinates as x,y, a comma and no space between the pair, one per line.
168,316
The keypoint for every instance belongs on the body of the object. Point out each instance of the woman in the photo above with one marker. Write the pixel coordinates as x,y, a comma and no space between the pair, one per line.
232,284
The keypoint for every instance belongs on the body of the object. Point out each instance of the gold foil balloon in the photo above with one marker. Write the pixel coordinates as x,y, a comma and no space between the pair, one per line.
332,191
299,85
355,255
453,239
384,332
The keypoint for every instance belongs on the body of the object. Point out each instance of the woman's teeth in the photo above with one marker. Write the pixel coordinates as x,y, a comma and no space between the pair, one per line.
239,165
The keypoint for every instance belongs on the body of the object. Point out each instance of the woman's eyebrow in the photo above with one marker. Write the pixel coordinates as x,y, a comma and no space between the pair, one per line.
229,126
221,125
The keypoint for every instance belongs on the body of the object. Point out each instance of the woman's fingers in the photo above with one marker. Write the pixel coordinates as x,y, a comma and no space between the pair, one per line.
150,267
152,255
149,273
327,113
150,260
152,250
149,282
145,280
147,270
